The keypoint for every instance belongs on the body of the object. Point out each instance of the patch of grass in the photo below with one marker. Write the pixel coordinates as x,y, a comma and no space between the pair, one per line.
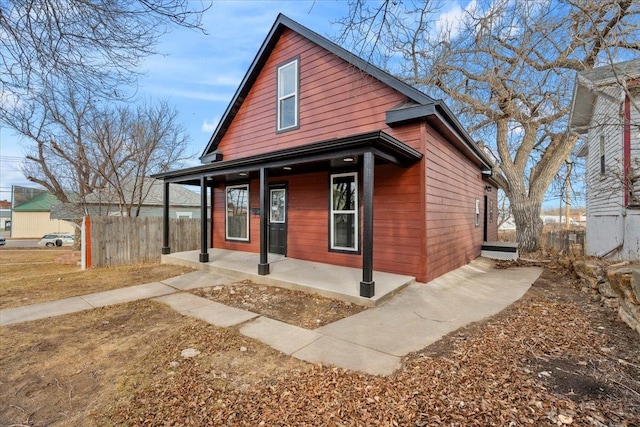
24,256
37,280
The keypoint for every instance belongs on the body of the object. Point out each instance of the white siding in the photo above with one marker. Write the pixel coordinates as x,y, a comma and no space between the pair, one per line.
635,143
34,225
611,227
604,192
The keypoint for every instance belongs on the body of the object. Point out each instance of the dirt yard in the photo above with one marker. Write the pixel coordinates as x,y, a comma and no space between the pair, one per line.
552,358
293,307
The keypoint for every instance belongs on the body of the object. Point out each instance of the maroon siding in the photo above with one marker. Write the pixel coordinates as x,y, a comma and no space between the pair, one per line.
453,185
398,221
336,100
424,216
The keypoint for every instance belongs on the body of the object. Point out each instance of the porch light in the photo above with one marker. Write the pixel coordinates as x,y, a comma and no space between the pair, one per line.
243,174
287,168
348,159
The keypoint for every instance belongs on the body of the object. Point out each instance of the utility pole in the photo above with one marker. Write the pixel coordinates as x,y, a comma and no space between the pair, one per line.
567,188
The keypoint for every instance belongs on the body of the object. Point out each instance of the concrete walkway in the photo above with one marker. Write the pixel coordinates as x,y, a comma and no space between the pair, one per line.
373,341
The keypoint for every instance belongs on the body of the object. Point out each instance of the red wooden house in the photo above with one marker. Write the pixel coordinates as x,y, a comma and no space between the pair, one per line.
321,156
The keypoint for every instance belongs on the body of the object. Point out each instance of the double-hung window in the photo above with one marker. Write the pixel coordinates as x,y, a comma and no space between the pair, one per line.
344,212
288,96
237,218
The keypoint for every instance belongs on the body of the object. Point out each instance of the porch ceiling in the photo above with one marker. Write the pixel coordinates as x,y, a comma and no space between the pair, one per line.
315,156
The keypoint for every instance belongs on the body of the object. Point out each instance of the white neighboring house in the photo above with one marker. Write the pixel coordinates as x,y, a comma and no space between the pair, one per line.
606,111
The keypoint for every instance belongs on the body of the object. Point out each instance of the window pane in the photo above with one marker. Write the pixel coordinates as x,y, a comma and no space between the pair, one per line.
344,193
277,206
344,230
237,212
287,80
288,112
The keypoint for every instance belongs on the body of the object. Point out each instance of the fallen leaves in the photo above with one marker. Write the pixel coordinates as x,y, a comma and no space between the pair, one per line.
503,371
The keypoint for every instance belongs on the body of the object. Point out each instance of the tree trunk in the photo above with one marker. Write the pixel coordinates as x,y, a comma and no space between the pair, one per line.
526,213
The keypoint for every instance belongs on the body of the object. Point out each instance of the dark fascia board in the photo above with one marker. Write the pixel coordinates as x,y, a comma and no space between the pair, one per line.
439,112
282,22
491,180
381,143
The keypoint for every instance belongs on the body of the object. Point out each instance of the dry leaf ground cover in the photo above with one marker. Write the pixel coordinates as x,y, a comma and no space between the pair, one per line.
32,276
289,306
552,358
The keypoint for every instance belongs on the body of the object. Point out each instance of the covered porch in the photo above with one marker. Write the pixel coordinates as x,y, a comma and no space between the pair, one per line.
357,152
327,280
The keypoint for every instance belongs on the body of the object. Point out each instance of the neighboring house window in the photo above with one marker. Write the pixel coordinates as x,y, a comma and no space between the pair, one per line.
288,96
184,215
237,212
602,169
477,212
344,211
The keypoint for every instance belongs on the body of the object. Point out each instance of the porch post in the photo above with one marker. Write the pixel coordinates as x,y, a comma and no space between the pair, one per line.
165,219
367,286
210,234
204,254
263,267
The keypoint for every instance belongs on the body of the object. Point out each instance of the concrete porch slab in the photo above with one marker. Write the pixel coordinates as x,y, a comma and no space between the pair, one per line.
342,283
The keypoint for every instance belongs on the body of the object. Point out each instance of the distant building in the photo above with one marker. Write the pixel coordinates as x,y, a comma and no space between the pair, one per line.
30,214
183,203
5,214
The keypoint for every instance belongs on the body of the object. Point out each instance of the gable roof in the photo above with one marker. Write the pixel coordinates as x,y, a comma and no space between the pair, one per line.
412,110
589,85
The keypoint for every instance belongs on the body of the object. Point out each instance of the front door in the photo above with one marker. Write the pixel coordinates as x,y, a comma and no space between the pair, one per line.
278,220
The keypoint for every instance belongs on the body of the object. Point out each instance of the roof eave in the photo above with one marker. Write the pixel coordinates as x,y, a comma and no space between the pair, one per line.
382,144
439,114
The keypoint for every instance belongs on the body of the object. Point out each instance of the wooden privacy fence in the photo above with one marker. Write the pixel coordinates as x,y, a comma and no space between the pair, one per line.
125,240
569,241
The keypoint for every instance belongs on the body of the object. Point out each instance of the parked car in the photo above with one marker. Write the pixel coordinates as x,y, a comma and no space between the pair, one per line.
3,240
56,239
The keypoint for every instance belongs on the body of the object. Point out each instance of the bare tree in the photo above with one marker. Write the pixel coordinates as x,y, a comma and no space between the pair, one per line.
136,143
508,69
89,156
97,44
61,61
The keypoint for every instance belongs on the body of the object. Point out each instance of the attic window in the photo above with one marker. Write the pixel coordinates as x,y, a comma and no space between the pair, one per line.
288,96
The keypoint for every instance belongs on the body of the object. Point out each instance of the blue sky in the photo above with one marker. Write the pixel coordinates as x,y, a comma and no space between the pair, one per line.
199,73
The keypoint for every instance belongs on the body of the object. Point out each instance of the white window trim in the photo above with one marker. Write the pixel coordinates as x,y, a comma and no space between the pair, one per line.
477,213
294,95
226,212
332,212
